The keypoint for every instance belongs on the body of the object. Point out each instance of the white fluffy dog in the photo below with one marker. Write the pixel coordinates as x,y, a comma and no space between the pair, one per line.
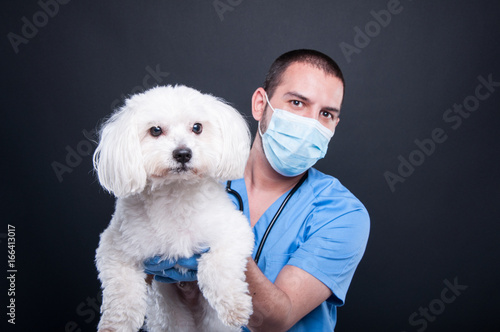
164,155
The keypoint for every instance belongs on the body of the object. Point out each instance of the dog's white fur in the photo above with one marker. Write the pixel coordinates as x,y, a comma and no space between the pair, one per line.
174,210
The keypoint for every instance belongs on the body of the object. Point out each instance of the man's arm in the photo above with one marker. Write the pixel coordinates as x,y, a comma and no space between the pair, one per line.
278,306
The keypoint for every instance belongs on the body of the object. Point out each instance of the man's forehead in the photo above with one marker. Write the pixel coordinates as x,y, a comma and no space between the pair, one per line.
310,83
307,74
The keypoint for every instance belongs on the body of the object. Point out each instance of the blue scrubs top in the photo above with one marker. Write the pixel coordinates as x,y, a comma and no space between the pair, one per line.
323,230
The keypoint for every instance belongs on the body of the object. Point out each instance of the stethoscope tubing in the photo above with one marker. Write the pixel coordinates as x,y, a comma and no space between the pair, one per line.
276,215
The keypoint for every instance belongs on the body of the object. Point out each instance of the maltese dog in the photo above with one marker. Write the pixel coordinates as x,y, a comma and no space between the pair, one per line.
164,155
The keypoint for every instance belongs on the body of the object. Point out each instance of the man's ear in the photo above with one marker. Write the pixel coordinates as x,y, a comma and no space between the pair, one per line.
258,103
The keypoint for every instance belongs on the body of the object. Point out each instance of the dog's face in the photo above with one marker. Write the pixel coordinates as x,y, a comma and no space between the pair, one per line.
170,134
178,137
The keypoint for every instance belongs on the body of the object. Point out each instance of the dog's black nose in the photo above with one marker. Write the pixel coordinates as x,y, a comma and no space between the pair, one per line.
182,155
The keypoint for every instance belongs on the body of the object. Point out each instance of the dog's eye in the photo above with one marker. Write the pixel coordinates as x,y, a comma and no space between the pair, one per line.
155,131
197,128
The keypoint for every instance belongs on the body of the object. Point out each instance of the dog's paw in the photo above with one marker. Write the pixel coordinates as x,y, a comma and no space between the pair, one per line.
237,312
125,324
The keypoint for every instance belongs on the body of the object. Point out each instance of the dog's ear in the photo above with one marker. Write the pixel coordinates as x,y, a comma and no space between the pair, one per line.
118,158
235,141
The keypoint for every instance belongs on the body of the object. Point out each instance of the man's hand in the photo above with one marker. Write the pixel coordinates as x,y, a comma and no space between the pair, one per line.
167,271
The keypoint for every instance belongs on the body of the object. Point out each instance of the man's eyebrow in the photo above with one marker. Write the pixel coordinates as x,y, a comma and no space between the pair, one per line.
304,98
296,95
332,109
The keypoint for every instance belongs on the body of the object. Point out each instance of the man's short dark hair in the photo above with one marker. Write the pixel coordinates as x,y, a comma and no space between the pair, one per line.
312,57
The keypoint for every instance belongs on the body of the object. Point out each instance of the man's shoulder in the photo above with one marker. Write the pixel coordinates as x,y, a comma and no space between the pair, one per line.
335,206
324,185
331,195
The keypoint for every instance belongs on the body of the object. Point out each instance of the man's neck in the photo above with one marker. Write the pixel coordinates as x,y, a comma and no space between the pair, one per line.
264,185
260,177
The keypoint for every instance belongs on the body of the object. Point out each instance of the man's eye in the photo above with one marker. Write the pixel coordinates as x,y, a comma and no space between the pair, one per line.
155,131
326,114
296,103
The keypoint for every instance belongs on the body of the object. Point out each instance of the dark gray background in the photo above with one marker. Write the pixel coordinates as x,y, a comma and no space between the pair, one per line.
440,224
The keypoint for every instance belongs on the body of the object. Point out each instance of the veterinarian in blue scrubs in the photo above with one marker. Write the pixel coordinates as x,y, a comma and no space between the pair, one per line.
310,255
307,258
323,231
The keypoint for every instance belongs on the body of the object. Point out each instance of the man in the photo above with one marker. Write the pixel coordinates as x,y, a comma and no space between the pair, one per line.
309,256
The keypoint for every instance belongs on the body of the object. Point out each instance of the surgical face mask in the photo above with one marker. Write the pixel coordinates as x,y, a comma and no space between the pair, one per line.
293,143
